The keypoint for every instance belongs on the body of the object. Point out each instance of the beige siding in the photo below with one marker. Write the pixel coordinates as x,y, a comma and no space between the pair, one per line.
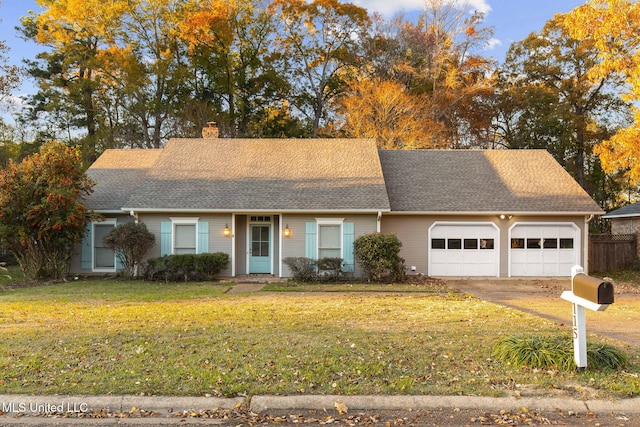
413,232
241,244
294,245
217,241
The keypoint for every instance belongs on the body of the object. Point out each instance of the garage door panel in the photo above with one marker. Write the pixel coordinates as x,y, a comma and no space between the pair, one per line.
468,250
543,249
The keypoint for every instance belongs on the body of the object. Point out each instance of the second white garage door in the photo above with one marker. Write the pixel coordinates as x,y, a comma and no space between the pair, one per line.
543,249
464,249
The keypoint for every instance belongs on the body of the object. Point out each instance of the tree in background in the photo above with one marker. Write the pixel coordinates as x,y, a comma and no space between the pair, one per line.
68,73
384,110
230,48
9,79
41,212
547,100
116,70
319,52
436,59
613,27
146,75
9,74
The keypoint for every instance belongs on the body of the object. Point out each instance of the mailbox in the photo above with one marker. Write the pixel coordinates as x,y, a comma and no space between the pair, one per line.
592,289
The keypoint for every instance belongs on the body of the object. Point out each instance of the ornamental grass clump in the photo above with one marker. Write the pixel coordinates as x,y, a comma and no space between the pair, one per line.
554,352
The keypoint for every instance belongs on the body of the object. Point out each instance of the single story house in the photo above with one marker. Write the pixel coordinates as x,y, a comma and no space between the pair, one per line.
497,213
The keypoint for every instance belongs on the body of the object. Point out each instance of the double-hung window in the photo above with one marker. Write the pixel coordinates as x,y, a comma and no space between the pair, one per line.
329,238
329,241
185,237
104,258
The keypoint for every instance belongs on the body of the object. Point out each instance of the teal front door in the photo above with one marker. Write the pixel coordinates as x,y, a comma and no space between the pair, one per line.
260,249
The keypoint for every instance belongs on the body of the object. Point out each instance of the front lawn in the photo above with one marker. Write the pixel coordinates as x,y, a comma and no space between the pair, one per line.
118,337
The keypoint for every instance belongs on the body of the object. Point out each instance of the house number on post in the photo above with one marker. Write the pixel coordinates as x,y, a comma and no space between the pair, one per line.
586,292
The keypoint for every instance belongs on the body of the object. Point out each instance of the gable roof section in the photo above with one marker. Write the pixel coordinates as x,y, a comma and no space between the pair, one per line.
117,174
263,175
625,212
474,181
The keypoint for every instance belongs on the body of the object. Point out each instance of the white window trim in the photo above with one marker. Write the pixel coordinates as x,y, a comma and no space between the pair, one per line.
183,221
107,221
329,221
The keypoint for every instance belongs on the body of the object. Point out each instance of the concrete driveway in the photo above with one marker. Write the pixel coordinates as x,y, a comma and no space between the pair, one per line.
541,297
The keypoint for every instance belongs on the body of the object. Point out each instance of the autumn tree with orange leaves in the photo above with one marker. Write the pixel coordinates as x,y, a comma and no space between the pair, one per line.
319,52
613,26
41,212
436,60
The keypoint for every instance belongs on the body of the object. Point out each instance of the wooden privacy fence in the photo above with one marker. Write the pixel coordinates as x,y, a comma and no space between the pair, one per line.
611,252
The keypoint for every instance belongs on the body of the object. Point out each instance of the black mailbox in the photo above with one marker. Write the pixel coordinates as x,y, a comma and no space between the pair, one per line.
592,289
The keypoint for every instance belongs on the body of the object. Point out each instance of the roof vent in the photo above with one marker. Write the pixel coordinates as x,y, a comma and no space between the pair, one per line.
211,131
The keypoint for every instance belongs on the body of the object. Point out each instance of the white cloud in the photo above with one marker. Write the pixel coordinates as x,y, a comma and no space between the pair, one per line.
479,5
392,7
493,43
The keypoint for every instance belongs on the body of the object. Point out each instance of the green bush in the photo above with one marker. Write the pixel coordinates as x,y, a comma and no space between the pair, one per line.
186,267
332,267
379,256
302,269
554,352
130,241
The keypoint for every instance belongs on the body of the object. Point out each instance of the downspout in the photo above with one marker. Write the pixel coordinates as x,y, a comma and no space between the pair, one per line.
378,221
586,243
134,215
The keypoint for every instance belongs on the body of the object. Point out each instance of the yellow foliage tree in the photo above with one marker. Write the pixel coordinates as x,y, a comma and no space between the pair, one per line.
614,25
385,111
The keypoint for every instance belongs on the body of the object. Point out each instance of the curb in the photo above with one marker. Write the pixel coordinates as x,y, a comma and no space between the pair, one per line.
166,405
266,403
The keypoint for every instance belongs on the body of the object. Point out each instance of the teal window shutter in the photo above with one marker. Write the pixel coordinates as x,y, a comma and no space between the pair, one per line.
203,237
165,238
310,245
87,249
348,237
119,265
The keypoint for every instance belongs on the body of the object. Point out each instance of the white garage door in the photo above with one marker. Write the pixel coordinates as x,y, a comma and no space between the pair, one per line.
544,249
464,249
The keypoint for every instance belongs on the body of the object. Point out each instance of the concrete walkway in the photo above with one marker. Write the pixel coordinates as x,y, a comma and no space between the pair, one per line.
246,288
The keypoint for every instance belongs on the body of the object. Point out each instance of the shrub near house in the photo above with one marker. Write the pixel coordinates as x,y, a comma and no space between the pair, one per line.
41,210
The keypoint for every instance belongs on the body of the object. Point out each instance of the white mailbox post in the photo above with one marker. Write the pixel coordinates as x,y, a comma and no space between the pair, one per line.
586,292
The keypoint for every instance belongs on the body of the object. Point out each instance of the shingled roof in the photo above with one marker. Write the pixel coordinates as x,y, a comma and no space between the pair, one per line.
625,212
474,181
329,175
117,174
263,175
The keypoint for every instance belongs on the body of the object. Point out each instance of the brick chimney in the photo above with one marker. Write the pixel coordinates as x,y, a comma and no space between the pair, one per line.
211,131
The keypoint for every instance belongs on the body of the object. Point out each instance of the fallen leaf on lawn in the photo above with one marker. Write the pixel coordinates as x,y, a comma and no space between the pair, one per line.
341,408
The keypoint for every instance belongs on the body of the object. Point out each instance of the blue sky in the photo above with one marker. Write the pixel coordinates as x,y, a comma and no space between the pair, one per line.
512,20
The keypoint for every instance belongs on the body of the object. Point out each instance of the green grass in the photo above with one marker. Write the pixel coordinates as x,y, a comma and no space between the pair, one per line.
629,278
118,337
543,352
291,286
9,275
